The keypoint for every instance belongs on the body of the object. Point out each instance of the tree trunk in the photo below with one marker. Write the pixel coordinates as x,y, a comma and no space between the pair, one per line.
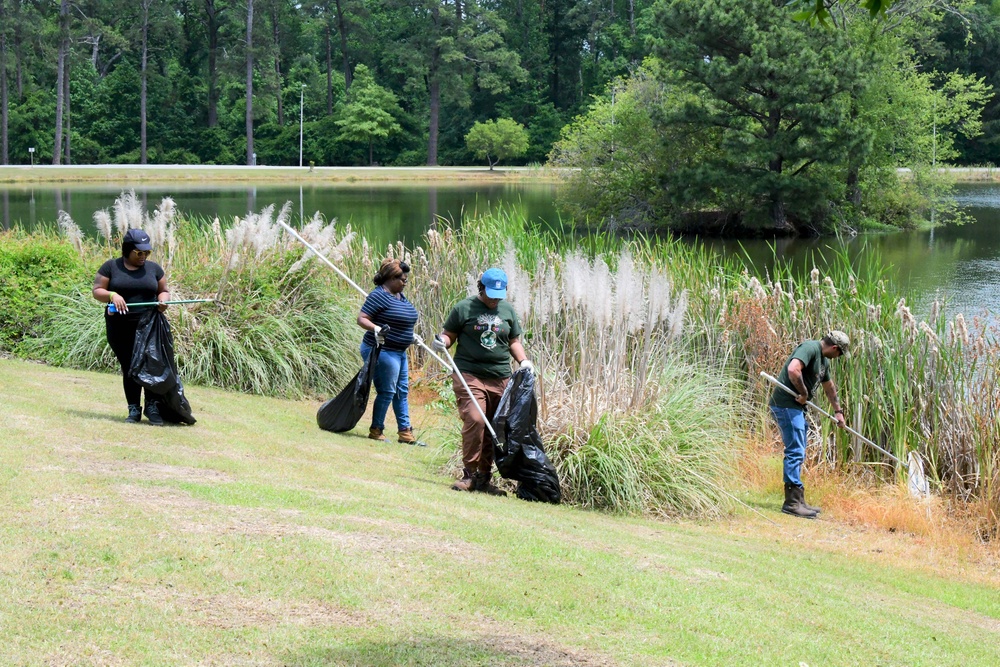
276,32
213,27
143,85
249,112
60,76
329,69
342,29
371,159
853,186
435,98
4,158
435,104
68,115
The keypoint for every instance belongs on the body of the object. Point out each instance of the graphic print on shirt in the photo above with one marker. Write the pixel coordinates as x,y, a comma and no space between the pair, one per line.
490,326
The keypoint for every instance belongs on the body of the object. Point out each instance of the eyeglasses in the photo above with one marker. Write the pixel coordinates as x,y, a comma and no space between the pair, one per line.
142,253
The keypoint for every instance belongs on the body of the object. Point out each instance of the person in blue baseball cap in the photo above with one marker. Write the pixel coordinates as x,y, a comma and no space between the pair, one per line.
488,334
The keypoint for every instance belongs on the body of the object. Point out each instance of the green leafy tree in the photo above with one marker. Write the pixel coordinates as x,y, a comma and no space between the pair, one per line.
501,139
620,151
370,113
778,91
450,47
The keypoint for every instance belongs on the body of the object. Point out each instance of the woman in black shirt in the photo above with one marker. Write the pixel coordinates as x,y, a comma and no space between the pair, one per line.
131,278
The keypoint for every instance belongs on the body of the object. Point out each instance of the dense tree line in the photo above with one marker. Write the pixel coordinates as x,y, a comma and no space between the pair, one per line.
217,81
747,117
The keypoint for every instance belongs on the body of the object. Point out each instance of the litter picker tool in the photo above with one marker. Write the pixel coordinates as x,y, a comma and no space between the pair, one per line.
170,303
916,480
112,309
417,339
479,408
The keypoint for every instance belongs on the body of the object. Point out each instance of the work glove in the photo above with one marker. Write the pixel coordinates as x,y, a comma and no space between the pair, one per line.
379,336
528,366
438,344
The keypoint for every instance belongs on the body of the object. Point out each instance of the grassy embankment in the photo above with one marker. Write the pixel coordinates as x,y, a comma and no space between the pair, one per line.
254,538
132,174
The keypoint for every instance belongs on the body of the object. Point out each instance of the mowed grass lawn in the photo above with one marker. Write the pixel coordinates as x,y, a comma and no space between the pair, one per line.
253,538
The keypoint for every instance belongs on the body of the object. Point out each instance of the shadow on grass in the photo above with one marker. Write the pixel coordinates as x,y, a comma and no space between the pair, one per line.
503,651
103,416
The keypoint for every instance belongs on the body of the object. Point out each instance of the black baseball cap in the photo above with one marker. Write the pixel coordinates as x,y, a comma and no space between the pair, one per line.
138,238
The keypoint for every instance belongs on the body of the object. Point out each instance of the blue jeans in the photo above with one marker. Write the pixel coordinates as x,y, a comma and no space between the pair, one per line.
392,385
792,423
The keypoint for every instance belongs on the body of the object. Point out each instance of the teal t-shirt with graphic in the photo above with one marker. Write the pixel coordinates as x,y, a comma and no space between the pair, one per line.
484,337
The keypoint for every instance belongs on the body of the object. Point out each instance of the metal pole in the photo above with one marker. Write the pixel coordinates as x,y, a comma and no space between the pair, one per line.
416,339
302,94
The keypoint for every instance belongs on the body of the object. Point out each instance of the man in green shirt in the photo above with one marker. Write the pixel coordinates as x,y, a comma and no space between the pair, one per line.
488,334
807,366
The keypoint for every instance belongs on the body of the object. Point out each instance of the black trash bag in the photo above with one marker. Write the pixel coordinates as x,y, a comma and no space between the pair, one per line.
520,454
343,412
154,368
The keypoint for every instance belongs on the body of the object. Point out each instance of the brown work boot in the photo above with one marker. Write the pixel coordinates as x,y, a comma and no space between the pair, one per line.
406,436
484,484
376,434
467,483
811,508
794,504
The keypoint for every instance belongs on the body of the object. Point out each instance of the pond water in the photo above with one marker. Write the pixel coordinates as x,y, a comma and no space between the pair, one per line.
385,213
958,264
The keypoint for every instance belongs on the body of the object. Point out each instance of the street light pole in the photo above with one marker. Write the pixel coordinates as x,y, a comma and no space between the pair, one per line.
302,95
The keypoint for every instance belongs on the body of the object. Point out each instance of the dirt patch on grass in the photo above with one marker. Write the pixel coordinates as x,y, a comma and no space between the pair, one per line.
188,514
153,472
534,651
234,612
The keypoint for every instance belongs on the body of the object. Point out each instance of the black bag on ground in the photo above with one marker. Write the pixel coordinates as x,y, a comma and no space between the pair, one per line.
343,411
154,368
520,454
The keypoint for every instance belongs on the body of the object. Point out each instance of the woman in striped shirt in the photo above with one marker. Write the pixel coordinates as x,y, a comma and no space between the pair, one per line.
387,307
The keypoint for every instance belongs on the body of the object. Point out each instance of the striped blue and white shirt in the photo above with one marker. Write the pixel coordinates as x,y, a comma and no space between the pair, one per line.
383,308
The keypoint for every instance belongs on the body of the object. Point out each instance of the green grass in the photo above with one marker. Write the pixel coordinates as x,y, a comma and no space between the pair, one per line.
254,538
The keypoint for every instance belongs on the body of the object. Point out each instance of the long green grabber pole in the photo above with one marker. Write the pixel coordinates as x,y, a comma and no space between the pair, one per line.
169,303
916,481
364,295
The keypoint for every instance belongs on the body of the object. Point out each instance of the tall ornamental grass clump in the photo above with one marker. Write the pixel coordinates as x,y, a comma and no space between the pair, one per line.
282,324
605,326
930,386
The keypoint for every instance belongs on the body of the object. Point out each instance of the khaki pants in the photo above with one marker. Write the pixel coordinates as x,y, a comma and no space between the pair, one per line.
477,444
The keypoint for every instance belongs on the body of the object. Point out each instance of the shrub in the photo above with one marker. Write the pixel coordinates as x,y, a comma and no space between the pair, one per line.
280,326
32,267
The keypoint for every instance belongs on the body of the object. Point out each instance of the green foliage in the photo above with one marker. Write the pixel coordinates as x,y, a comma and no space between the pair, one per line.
31,269
370,112
621,148
501,139
281,328
671,459
777,91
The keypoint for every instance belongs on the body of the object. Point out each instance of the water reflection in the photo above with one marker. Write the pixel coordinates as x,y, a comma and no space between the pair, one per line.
385,213
959,264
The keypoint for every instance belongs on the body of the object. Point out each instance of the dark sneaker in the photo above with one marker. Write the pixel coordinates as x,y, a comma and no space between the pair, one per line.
153,414
134,414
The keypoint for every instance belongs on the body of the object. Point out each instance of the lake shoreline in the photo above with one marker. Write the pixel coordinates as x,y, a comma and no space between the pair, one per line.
287,175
